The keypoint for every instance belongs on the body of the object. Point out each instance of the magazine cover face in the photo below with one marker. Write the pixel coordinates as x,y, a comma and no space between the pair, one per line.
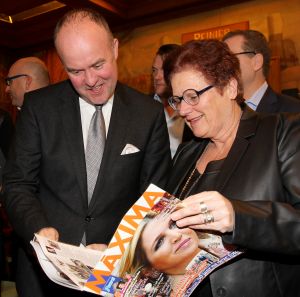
162,259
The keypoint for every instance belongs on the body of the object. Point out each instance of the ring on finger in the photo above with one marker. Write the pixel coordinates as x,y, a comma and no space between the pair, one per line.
203,207
208,218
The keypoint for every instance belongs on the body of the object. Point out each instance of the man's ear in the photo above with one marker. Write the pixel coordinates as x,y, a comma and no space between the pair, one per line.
258,62
116,48
28,82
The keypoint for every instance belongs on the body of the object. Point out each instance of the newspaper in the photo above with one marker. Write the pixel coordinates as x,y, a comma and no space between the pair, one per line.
147,256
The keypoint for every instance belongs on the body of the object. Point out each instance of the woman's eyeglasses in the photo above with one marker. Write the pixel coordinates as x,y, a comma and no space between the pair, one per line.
190,96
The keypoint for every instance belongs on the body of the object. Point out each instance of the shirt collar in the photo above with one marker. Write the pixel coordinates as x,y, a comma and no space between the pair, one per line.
254,100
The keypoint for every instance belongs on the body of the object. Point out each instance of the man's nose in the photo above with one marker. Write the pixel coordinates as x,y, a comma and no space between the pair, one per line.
159,74
90,78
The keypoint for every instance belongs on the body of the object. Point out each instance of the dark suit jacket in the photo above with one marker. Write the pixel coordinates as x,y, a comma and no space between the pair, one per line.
261,178
274,102
45,181
6,131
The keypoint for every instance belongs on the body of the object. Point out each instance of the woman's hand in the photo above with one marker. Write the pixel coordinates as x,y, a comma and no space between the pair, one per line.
206,211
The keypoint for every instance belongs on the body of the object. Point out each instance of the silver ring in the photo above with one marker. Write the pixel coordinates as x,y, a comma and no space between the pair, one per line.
208,218
203,207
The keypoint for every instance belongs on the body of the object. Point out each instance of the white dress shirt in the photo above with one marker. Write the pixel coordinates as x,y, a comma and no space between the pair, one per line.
87,110
254,100
175,124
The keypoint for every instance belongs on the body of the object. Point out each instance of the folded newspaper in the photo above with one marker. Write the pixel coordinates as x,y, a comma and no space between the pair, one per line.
147,256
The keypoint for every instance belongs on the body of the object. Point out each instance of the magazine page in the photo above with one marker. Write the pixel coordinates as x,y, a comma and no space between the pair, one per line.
149,256
65,264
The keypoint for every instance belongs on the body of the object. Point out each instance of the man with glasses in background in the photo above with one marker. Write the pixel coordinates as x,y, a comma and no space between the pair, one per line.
253,52
25,75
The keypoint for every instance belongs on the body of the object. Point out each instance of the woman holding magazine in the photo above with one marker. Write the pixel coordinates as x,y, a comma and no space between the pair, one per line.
240,176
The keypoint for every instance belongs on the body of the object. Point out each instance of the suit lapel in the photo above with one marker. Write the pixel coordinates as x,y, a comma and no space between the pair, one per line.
269,102
70,116
246,129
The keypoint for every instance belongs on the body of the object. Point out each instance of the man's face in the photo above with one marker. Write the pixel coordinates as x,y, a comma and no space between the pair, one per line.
90,59
235,44
17,86
159,83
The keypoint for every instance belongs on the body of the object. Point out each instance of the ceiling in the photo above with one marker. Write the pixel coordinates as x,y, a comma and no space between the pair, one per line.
30,23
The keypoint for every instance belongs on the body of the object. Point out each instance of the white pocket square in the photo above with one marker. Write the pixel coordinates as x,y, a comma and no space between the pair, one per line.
129,149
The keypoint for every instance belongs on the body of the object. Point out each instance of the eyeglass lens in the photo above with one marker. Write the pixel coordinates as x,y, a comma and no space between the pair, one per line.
190,96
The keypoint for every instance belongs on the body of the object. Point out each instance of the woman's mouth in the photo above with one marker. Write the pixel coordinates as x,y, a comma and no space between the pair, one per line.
193,120
183,244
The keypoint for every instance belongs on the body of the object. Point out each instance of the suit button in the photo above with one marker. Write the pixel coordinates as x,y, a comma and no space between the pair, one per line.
88,218
221,291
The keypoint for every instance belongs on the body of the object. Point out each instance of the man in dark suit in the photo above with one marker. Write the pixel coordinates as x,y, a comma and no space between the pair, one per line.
252,50
46,189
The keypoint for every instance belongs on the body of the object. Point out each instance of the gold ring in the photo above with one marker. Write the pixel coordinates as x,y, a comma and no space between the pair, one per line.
203,207
208,218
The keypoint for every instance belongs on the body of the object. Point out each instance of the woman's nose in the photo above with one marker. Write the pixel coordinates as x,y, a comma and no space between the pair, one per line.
184,108
175,235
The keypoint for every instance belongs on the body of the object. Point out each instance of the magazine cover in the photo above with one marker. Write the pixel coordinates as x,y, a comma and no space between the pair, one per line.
148,254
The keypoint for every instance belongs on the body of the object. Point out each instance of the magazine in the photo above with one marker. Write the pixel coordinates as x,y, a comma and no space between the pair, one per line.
147,256
65,264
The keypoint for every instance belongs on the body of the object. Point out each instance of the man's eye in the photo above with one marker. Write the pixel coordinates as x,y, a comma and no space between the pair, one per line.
97,67
74,72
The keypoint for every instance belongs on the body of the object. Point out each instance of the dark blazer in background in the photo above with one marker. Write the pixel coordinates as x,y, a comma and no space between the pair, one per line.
275,102
261,178
45,180
6,131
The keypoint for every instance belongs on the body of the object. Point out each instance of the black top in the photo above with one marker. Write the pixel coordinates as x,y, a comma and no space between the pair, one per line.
198,183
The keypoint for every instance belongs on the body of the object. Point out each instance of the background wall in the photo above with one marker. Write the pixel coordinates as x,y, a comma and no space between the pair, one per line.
278,19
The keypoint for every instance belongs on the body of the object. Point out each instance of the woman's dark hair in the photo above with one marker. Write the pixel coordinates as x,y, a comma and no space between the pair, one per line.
212,58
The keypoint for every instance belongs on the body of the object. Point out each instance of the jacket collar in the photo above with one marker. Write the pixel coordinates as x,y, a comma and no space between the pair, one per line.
188,154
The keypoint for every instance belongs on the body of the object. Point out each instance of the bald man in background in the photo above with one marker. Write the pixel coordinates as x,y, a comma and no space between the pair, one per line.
25,75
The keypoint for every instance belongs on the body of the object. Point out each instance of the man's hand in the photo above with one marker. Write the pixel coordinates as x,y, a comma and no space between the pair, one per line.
50,233
97,246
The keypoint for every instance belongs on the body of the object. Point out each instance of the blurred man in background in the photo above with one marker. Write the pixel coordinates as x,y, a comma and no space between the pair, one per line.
25,75
177,129
253,52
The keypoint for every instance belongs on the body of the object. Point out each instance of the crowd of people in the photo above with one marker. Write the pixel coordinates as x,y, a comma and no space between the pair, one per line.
214,134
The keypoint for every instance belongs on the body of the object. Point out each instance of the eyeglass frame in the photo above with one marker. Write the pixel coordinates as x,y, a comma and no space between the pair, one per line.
180,98
8,80
245,53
